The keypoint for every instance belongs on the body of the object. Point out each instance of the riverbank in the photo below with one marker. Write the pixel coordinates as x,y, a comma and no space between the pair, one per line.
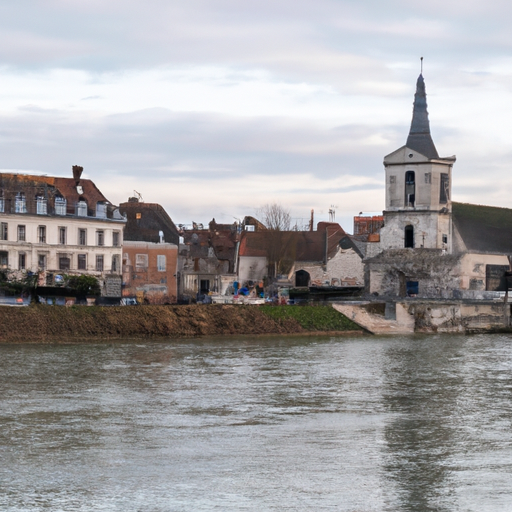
40,323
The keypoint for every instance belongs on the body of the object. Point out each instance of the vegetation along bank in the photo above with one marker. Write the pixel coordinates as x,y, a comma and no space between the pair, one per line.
41,323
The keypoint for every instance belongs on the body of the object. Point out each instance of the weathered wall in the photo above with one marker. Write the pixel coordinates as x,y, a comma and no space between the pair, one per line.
463,317
252,268
437,274
158,285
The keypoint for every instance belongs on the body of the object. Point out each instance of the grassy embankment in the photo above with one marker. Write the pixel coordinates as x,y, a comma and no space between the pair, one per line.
39,323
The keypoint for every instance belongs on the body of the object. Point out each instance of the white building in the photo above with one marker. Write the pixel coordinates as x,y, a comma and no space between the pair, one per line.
55,226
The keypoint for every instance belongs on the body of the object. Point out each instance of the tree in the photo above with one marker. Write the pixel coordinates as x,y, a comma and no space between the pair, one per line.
281,242
275,217
84,285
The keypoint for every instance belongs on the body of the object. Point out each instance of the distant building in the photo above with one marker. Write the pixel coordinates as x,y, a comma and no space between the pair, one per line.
54,226
326,257
150,253
207,260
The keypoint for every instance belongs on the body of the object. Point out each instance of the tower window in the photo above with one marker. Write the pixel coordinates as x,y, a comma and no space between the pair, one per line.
444,191
409,236
410,188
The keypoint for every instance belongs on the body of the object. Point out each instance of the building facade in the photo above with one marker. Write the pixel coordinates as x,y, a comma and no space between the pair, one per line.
53,226
150,253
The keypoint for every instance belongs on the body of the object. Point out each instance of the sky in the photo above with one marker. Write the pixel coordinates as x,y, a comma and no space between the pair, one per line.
214,108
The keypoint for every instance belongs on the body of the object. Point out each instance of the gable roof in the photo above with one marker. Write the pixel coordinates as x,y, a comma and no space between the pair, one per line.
485,229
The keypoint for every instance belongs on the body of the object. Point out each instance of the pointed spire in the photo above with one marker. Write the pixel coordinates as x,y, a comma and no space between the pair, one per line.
419,135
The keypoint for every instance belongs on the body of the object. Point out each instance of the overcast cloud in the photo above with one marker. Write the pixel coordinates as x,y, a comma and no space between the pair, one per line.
215,107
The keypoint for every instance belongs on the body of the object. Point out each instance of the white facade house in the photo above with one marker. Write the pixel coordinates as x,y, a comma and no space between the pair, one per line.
54,226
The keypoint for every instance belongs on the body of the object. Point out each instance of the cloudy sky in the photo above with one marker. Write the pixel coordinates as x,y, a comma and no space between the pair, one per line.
213,108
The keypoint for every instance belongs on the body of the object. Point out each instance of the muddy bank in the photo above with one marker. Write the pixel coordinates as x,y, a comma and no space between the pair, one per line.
49,323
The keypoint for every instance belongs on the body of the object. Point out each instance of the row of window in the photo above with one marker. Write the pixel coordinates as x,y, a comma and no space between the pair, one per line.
41,235
20,206
64,261
141,262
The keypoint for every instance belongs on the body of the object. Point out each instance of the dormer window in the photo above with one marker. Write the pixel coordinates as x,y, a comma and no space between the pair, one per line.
81,208
20,203
41,205
101,210
60,205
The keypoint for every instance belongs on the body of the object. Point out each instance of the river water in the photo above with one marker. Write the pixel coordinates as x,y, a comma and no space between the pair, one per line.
413,423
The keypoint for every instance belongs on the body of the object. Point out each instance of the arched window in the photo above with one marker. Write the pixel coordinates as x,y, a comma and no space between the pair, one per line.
409,236
410,188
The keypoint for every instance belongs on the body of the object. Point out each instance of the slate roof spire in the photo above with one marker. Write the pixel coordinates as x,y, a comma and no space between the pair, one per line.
419,135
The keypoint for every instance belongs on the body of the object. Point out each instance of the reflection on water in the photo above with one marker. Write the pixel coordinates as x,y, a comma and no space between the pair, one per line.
295,424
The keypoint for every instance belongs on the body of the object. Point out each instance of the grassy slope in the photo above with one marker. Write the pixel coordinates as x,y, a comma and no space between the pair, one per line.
312,318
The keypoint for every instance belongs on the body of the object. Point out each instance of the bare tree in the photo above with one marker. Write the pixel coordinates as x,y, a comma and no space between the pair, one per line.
275,217
280,241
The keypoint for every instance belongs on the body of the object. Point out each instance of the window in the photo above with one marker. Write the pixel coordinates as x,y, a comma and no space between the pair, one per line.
20,203
115,238
100,237
41,205
82,262
22,259
81,209
409,236
445,239
41,234
115,263
41,261
2,203
101,210
141,261
444,192
4,259
99,262
410,188
82,237
138,216
62,236
3,231
60,205
64,262
160,262
21,233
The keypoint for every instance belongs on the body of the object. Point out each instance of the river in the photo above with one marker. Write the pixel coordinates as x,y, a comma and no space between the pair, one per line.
413,423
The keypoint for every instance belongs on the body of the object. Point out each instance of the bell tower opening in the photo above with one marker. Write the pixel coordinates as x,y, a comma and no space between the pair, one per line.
410,188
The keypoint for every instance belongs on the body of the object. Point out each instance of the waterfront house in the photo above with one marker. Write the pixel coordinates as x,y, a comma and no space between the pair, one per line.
52,226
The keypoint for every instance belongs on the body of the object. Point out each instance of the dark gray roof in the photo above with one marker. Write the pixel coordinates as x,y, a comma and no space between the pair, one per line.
419,135
484,228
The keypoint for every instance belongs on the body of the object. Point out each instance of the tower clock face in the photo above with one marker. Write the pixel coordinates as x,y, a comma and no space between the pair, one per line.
79,189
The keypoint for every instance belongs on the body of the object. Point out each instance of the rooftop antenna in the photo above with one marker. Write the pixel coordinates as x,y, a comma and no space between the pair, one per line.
139,196
421,65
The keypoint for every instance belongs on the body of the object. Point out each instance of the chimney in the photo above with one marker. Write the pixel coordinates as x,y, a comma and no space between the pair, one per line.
77,172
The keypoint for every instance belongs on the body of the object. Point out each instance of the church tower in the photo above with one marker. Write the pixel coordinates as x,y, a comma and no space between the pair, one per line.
418,210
